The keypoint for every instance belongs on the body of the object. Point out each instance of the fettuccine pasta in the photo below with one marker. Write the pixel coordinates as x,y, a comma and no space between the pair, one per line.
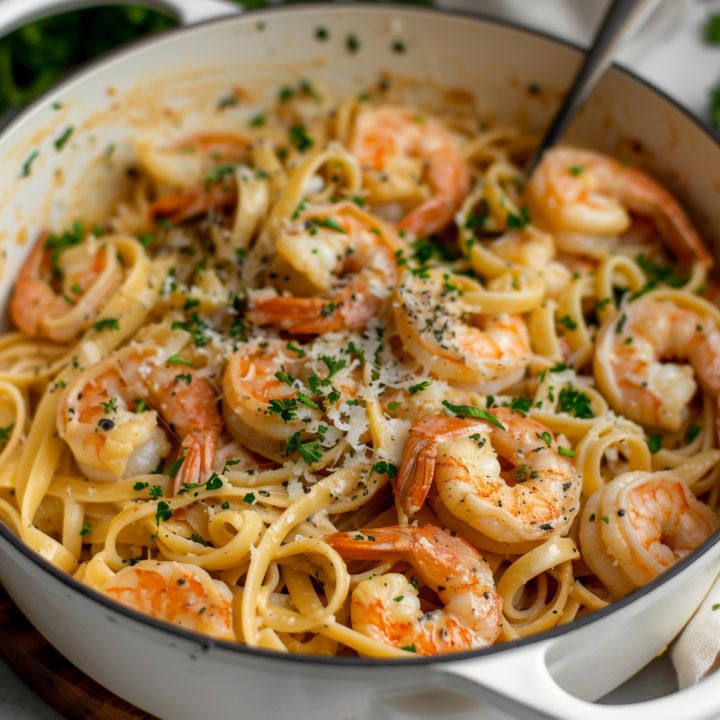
343,379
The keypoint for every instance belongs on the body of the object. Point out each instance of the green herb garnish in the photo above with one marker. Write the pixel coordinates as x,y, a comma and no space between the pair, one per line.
471,411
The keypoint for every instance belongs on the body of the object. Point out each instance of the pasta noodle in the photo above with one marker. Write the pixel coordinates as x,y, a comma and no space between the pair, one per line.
342,379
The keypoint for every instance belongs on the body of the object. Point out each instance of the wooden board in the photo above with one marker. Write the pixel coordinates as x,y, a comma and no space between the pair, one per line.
60,684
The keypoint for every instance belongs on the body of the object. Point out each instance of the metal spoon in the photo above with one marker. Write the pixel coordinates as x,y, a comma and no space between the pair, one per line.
619,18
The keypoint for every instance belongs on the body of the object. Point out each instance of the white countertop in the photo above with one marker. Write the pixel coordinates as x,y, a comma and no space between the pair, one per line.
683,67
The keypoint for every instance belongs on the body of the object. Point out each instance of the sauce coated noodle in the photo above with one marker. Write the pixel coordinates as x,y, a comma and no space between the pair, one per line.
341,379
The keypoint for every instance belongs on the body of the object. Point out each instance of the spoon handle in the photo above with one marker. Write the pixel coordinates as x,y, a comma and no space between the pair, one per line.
619,17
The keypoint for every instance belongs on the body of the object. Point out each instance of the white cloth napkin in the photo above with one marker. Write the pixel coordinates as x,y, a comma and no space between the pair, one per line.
696,652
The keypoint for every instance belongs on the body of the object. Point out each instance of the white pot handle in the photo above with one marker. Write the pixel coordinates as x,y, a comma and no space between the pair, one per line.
519,683
16,13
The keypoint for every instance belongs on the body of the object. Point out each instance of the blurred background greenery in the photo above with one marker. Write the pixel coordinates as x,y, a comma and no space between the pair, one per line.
35,57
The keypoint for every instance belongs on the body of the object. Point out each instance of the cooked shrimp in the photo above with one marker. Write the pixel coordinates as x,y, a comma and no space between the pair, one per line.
105,416
585,192
632,361
201,166
431,319
180,593
399,148
62,286
262,411
387,607
536,499
640,524
344,253
186,162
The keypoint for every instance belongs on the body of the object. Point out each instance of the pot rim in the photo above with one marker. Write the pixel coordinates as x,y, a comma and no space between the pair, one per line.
207,643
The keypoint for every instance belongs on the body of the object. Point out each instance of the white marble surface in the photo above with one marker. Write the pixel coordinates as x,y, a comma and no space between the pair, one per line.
683,67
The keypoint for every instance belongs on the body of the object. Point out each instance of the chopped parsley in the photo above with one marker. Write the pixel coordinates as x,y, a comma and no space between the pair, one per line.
334,366
218,174
567,452
249,498
621,323
519,221
163,512
27,165
353,349
140,405
574,402
309,451
716,606
177,360
479,217
409,648
86,529
692,432
286,408
283,377
568,322
214,482
110,405
156,492
385,468
299,138
227,101
285,94
303,399
173,470
59,243
575,170
257,121
63,138
294,348
521,405
138,486
657,274
326,222
545,437
107,324
327,310
654,443
352,44
199,539
419,387
471,411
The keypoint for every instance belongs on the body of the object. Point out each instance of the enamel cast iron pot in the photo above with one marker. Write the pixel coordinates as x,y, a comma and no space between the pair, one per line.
175,673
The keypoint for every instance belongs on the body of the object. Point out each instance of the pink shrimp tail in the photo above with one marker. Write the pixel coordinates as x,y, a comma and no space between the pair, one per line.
372,543
416,474
200,448
647,197
427,548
